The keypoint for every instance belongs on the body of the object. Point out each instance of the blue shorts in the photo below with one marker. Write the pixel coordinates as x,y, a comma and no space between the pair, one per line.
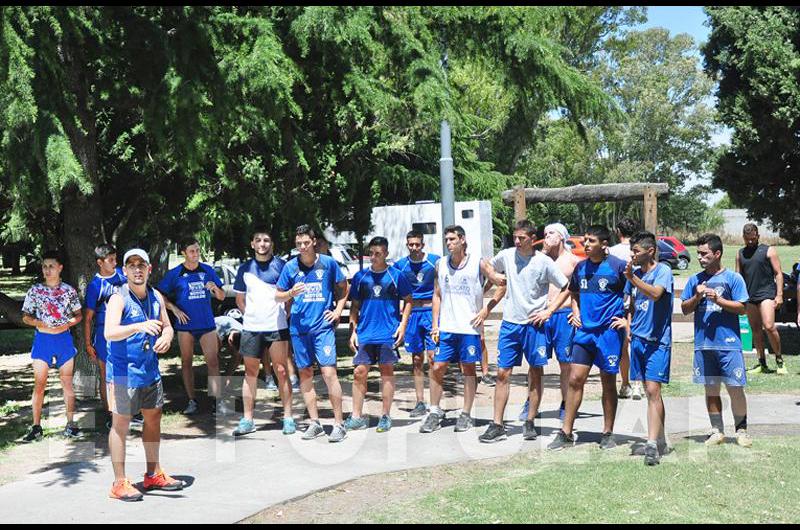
418,332
455,347
650,361
369,354
599,348
518,340
560,333
712,367
319,346
48,347
100,346
198,333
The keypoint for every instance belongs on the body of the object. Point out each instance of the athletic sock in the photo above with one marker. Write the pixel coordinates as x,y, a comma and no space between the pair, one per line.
716,422
741,422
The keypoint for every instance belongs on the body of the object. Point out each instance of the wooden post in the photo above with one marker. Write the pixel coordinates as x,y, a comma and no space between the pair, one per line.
520,207
651,210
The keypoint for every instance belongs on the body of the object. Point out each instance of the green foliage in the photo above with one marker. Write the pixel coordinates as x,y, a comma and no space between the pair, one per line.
755,53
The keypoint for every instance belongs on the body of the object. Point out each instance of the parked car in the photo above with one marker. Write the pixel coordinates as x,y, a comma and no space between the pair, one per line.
227,307
684,258
574,244
667,254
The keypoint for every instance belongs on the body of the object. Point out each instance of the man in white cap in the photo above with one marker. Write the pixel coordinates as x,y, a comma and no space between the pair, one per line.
137,329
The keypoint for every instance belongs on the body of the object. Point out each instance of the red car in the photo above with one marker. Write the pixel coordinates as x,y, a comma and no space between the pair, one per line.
683,256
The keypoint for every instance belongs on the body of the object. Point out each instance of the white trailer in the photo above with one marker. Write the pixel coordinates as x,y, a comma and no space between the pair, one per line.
394,222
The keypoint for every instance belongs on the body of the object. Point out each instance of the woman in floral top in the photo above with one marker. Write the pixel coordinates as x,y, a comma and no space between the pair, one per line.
52,307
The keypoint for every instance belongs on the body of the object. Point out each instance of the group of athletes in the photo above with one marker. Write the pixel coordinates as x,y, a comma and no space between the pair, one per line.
600,311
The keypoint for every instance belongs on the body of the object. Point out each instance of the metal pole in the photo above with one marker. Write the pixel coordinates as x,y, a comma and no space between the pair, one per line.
446,183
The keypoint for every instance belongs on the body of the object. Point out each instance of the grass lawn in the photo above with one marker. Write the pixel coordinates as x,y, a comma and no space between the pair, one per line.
724,485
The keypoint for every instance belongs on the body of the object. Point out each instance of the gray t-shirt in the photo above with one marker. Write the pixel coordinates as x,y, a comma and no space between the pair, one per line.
528,282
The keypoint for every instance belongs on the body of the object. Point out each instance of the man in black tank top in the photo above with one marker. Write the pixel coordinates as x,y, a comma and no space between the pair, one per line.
761,269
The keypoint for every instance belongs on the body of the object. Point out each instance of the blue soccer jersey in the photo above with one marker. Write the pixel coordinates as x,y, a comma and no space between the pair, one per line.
99,291
420,274
652,320
601,289
379,294
134,361
187,289
320,280
715,328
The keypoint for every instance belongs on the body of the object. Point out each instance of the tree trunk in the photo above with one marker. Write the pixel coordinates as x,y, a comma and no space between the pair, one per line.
12,309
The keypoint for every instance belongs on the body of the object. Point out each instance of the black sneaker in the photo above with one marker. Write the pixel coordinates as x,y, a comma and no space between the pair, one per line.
137,419
607,441
494,433
432,423
664,448
34,434
488,380
562,441
464,423
651,456
529,431
72,431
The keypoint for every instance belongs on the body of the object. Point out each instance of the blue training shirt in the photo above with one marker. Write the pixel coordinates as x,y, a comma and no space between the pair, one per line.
601,289
380,294
187,288
320,280
715,328
133,360
98,293
652,320
420,274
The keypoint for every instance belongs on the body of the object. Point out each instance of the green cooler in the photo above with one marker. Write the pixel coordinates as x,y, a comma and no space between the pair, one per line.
746,332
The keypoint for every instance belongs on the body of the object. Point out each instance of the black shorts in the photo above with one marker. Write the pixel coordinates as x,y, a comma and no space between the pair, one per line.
253,343
129,401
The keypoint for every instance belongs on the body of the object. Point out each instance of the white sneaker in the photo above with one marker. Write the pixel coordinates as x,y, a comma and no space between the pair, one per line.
625,392
222,409
271,386
637,391
715,438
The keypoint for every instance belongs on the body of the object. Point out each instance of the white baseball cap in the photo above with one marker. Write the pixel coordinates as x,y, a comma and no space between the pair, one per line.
136,252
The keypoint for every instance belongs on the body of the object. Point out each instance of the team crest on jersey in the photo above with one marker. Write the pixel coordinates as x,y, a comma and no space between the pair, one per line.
603,283
377,290
203,276
301,274
320,273
471,350
542,352
719,290
421,277
327,350
643,306
136,312
738,373
612,360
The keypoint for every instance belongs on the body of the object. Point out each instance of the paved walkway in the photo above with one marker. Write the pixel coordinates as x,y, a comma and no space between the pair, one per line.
232,479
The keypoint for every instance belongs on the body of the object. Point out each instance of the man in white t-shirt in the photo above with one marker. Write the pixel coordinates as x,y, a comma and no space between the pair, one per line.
528,276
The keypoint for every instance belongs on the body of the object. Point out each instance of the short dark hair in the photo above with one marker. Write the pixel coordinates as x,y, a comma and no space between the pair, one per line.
750,229
713,241
305,230
644,239
104,251
601,232
526,225
415,234
379,241
455,229
54,255
187,242
260,229
627,226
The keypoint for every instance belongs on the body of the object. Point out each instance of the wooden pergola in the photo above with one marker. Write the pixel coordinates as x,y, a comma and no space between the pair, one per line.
648,192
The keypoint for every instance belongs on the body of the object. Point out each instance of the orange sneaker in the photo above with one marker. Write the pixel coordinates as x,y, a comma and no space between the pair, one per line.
162,481
124,491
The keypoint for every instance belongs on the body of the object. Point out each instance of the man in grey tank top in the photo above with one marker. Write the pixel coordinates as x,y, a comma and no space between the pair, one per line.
761,269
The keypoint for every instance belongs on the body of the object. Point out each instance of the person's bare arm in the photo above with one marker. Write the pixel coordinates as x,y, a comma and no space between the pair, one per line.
355,308
342,290
772,254
167,333
436,302
241,302
88,320
400,334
